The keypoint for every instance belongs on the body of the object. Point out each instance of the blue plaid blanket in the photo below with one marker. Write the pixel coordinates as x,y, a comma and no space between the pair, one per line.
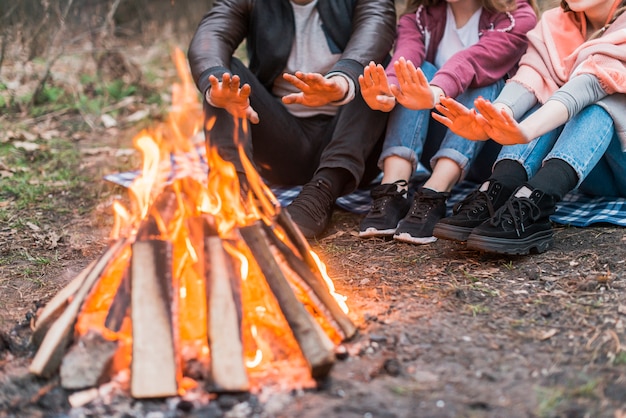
576,209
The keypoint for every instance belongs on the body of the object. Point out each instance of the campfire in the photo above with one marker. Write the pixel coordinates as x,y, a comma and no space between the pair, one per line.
202,286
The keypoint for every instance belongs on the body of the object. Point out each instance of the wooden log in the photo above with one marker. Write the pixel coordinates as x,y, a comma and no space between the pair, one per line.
54,344
154,365
227,371
295,235
55,307
161,213
87,364
316,346
317,285
120,306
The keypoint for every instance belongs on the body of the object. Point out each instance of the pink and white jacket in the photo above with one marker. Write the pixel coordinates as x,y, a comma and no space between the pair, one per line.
558,51
502,42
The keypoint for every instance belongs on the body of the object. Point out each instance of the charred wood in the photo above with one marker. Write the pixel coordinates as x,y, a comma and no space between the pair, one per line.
316,346
154,365
52,348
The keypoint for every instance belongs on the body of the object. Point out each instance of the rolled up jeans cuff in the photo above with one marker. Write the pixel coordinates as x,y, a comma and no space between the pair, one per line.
401,152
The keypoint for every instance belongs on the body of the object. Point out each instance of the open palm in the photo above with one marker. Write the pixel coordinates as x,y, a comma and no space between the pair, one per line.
413,91
459,119
230,95
315,89
375,88
499,124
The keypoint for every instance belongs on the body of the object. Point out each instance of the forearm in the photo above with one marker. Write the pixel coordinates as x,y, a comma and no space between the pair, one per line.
579,92
548,117
516,98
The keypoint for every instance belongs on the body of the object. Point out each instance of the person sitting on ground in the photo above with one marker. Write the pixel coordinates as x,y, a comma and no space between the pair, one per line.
310,125
464,49
569,95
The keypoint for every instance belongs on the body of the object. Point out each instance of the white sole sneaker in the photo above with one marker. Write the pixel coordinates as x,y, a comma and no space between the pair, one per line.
406,237
373,232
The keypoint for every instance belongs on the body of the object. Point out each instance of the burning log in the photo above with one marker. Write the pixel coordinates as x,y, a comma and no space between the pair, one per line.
87,364
227,372
316,347
56,340
314,281
206,281
120,305
161,213
57,305
154,366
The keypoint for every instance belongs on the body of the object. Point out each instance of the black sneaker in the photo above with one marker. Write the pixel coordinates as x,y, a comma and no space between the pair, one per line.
417,226
312,209
519,227
472,211
389,205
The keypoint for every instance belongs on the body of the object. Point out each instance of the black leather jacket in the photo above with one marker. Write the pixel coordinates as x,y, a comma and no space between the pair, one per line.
364,30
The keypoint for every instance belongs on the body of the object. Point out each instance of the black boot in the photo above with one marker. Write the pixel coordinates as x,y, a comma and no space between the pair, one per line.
312,209
519,227
472,211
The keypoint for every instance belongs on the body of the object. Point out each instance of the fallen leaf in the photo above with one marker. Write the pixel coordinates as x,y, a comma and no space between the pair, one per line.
139,115
33,226
547,334
28,146
27,136
108,121
50,134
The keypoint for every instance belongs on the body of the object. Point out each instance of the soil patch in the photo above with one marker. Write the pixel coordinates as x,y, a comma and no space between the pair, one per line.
444,332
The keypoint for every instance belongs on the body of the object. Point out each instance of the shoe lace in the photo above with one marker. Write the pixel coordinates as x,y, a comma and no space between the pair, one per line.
315,199
516,211
421,207
384,193
475,201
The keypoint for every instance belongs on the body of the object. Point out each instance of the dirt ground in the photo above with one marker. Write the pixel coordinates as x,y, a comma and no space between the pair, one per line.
443,331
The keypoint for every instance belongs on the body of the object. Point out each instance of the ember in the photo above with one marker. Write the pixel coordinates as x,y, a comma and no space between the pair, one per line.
200,283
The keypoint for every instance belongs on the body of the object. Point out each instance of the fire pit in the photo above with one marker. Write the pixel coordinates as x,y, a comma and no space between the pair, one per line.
202,286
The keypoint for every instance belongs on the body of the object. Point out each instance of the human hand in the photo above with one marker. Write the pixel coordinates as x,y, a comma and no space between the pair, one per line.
374,88
315,89
499,124
459,119
414,91
229,95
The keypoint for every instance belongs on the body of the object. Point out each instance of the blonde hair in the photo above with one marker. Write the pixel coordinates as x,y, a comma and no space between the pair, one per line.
491,5
620,9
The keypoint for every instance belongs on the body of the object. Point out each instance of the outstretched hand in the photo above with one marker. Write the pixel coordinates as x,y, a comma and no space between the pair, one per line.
315,89
375,89
460,120
230,95
499,124
414,91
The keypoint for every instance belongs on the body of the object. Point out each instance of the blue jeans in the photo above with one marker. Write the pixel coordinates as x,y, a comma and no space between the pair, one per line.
589,143
407,130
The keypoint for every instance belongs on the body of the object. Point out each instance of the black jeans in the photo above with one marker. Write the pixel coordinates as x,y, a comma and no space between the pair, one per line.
287,150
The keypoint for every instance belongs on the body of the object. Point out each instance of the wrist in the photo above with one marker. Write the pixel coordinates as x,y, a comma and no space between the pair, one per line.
345,85
437,92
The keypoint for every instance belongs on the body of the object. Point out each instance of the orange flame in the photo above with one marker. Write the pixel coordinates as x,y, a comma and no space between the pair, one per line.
267,338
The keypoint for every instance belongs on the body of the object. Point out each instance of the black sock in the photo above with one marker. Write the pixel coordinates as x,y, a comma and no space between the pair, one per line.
555,177
336,178
510,173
